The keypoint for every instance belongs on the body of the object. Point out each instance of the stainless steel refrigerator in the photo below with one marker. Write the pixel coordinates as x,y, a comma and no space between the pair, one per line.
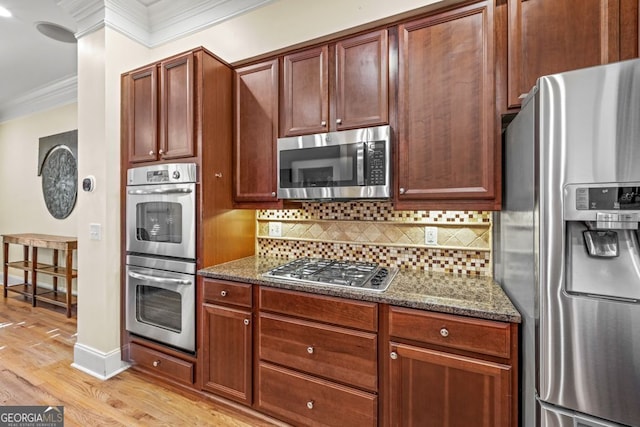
566,246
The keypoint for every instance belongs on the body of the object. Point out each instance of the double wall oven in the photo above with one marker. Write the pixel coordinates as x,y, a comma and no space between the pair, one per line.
161,253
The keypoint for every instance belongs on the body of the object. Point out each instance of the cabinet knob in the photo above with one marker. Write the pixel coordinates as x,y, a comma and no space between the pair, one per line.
246,322
401,190
273,194
310,404
161,152
223,293
310,350
151,153
339,121
218,174
444,332
323,123
393,355
156,363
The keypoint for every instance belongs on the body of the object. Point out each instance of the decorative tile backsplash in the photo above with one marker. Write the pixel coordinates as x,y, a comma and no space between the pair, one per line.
374,231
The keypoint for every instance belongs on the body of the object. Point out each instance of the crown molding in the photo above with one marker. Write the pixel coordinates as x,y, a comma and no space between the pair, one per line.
159,22
56,94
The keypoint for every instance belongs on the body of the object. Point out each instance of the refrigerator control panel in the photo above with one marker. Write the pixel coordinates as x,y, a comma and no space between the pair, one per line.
608,198
607,202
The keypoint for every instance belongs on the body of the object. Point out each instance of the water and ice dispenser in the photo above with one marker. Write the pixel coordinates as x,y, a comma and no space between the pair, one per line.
602,252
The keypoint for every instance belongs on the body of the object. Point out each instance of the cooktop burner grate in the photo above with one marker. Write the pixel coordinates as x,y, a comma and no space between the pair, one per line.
363,275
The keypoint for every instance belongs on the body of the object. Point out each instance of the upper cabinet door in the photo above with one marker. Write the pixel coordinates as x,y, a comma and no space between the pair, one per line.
362,82
256,132
305,92
336,87
176,108
141,114
448,147
552,36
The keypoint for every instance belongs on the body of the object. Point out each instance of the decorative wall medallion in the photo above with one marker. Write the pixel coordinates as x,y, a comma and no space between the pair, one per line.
60,181
59,169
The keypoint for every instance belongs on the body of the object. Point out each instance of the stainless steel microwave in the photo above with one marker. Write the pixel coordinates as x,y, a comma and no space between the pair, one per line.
344,165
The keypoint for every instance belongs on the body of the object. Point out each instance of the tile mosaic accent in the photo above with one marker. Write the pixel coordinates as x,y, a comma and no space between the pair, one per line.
374,231
464,262
372,211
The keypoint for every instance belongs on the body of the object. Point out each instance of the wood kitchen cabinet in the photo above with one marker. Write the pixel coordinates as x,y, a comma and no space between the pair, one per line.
317,359
256,133
159,109
342,85
450,370
552,36
227,339
448,149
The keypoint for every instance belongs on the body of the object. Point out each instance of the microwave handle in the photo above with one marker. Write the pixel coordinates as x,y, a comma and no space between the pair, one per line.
361,156
159,279
161,191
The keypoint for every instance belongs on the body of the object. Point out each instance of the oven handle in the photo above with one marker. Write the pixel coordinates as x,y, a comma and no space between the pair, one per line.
159,279
161,191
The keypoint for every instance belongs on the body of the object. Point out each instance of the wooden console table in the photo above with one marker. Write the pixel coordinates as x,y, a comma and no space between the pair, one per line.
31,266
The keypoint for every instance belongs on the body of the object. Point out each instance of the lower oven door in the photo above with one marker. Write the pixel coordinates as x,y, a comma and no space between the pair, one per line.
160,305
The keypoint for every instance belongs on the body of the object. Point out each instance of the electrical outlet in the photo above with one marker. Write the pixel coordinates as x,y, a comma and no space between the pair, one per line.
431,235
275,229
95,231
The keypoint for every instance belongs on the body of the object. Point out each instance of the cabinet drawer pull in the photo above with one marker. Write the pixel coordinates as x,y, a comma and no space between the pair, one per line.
339,121
273,194
310,350
394,355
218,174
246,322
444,332
401,190
156,363
223,293
151,153
323,123
310,404
161,152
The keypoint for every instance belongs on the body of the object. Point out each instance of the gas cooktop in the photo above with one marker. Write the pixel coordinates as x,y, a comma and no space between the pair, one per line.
362,275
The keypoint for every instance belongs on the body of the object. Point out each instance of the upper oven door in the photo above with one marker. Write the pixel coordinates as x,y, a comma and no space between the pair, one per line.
161,220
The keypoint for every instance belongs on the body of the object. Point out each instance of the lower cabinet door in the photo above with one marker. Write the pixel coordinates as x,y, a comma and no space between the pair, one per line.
227,352
434,389
306,400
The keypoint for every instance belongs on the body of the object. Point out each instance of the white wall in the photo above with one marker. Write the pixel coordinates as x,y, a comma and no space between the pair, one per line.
23,207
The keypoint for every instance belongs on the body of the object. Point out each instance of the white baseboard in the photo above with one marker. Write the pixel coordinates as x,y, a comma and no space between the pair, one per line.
96,363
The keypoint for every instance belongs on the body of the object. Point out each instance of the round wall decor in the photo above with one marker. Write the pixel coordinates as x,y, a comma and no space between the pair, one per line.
60,181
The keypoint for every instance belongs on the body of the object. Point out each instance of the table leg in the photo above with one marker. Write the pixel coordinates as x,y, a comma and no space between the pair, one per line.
34,275
25,258
5,268
69,270
55,265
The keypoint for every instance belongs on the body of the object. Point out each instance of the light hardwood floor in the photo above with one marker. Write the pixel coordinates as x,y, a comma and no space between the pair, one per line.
36,352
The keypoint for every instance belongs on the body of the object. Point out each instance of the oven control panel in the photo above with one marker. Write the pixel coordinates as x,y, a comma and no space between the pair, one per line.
174,173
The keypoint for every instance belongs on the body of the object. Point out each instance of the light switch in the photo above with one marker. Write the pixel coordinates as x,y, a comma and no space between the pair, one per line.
95,231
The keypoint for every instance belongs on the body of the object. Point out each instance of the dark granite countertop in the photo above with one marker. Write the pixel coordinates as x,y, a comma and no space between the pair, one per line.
479,297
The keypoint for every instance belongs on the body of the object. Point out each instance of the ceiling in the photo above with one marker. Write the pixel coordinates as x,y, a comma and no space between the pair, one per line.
32,61
39,72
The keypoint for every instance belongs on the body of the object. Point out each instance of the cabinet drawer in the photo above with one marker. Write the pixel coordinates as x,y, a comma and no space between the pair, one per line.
331,352
305,400
227,292
476,335
161,364
352,314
